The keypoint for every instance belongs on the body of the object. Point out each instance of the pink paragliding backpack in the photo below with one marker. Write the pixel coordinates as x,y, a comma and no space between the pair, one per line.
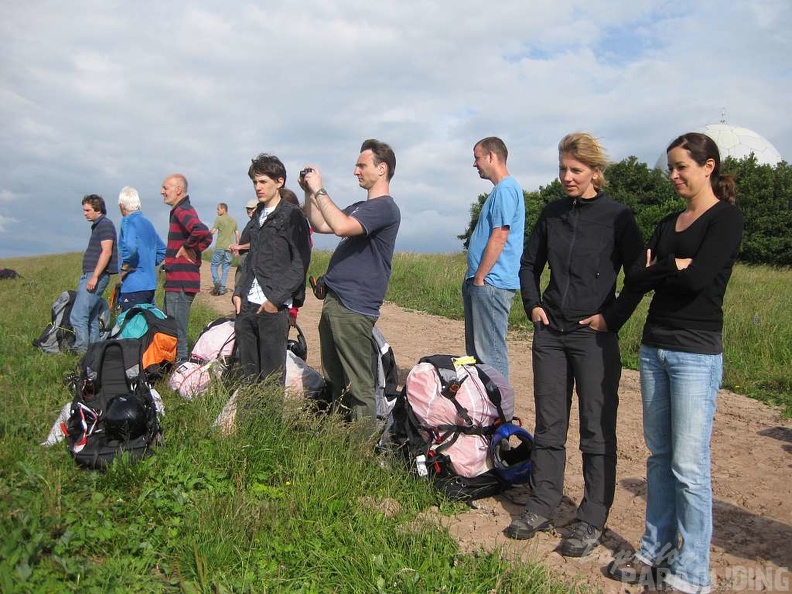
455,405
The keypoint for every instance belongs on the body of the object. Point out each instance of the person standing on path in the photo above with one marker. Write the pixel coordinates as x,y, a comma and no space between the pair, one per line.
493,258
357,276
225,226
187,238
100,260
688,264
585,239
140,250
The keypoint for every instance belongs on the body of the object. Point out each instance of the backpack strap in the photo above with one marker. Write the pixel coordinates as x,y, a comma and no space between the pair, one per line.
493,392
449,382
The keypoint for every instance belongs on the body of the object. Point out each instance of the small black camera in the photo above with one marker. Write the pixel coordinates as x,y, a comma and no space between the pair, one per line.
305,171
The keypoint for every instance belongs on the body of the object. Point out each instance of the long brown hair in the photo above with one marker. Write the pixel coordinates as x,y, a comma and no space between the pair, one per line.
701,149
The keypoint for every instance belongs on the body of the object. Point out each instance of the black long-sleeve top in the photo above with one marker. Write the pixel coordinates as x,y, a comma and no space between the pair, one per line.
689,300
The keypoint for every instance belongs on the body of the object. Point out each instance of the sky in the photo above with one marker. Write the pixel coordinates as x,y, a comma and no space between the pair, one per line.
98,95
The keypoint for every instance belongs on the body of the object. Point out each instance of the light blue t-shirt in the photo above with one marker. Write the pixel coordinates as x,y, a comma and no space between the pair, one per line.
505,206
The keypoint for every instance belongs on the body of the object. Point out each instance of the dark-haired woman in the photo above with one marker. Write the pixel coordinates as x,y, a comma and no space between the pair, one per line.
689,262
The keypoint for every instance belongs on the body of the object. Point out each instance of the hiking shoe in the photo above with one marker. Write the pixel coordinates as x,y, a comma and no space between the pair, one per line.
582,541
632,571
528,524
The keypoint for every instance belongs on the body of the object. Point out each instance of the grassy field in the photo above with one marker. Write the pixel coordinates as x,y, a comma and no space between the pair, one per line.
291,503
757,332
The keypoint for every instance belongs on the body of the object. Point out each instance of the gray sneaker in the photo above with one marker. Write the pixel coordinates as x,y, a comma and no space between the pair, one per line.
582,541
528,524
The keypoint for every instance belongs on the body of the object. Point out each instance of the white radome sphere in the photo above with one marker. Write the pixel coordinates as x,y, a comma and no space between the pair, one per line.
737,143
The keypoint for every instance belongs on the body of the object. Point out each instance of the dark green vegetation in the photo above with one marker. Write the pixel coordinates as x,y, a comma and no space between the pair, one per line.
291,503
764,194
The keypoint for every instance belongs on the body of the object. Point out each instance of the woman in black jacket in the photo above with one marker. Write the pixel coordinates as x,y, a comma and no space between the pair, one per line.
585,239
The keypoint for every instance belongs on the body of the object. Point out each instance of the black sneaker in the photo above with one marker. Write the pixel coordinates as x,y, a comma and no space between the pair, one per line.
528,524
584,539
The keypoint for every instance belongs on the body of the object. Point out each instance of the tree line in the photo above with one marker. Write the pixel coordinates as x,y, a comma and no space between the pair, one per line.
764,194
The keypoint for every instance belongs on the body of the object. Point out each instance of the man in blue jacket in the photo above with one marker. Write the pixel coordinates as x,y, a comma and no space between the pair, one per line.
140,249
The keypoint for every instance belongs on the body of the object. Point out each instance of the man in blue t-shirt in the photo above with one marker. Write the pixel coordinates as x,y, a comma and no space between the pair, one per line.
493,258
100,260
357,276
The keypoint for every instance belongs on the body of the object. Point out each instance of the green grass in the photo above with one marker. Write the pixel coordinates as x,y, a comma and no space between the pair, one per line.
291,503
757,333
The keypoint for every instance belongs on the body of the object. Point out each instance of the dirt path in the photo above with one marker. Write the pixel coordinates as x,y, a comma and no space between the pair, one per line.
752,469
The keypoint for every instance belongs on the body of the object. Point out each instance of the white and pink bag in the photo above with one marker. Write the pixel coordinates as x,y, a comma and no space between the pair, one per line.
457,403
215,342
208,360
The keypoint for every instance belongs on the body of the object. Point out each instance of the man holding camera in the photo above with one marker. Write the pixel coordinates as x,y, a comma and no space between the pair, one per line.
357,277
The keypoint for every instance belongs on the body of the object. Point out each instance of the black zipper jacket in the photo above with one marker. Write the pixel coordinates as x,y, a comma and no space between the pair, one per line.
584,242
279,256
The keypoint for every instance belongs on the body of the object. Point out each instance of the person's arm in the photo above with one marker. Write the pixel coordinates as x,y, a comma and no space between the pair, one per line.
127,244
101,264
198,236
532,265
161,249
721,240
323,214
630,248
493,250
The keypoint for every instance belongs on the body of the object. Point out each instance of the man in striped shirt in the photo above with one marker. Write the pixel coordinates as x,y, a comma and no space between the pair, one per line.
187,238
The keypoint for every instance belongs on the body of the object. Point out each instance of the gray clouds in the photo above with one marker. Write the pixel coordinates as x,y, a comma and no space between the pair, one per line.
98,95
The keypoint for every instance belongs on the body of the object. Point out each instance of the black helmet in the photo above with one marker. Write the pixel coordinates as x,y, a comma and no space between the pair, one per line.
299,347
125,418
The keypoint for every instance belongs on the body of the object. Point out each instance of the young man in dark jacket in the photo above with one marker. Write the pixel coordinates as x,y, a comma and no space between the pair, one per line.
273,278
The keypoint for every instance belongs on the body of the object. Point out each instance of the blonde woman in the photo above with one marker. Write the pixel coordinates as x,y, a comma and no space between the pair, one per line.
585,239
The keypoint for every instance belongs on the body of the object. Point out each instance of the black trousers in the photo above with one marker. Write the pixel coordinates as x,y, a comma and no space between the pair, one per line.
261,342
590,362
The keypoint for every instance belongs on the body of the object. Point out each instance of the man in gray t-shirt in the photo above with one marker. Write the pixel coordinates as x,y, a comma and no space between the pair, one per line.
357,276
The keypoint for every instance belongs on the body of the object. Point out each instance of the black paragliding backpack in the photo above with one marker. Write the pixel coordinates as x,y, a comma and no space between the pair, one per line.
113,410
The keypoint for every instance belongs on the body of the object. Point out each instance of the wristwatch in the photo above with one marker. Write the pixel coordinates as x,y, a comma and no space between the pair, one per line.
320,192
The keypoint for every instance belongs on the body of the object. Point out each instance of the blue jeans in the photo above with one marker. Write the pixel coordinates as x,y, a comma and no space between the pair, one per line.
177,305
221,258
486,323
84,316
679,391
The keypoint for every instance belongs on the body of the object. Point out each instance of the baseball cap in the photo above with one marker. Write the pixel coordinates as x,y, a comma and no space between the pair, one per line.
251,204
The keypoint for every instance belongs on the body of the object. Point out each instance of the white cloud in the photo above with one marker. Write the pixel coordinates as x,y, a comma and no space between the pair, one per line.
95,96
